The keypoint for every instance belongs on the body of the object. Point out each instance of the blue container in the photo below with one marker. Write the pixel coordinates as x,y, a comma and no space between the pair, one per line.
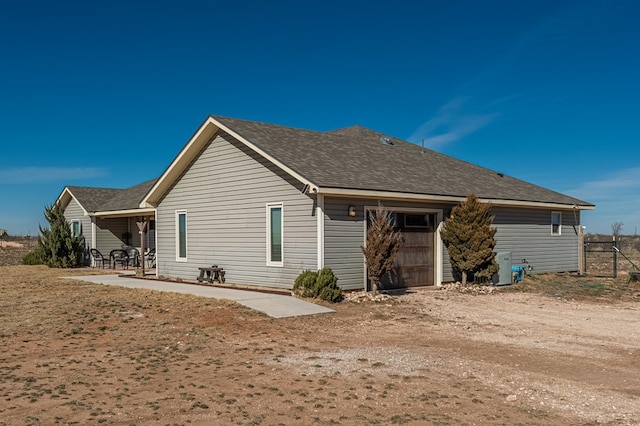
518,273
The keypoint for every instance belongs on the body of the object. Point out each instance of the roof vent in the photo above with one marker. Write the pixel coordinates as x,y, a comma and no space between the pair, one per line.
386,140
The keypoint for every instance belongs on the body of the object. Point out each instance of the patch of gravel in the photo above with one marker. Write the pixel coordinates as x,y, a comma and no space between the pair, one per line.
467,289
348,362
537,390
363,296
514,385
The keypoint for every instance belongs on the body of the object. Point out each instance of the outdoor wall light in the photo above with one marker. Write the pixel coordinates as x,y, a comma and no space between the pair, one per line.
352,211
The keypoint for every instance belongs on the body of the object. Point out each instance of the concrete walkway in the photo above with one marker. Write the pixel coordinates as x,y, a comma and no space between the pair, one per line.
274,305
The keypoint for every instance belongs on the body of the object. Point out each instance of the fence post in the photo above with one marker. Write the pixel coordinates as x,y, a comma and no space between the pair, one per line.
582,253
586,250
615,257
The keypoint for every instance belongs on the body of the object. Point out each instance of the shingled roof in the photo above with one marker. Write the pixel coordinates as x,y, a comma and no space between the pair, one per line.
110,199
357,158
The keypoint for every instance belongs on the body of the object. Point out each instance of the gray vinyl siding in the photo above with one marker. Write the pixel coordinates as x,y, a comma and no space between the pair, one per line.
447,269
526,233
343,236
149,239
74,212
109,234
225,192
149,236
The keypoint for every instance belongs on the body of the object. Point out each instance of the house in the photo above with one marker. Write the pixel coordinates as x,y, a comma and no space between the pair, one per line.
106,217
267,202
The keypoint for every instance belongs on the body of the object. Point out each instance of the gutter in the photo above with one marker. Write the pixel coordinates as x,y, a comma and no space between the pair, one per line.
124,213
364,193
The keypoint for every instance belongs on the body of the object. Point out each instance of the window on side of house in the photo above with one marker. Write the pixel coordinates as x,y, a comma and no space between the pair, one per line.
274,235
181,235
76,228
556,223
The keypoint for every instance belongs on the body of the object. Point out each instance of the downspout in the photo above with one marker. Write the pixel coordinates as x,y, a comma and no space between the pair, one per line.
320,229
365,273
439,254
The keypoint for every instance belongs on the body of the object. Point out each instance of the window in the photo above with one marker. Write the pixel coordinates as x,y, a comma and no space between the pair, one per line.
417,220
76,228
274,235
556,223
181,236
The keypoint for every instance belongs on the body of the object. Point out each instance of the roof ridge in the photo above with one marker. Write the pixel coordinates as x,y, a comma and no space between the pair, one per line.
263,124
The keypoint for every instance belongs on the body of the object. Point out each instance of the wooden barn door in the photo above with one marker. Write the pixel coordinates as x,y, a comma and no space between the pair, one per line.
414,266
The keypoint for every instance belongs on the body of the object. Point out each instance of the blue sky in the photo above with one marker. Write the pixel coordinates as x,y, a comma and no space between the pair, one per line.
107,93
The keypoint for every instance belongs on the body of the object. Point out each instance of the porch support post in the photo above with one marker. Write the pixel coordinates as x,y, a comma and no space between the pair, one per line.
94,238
142,226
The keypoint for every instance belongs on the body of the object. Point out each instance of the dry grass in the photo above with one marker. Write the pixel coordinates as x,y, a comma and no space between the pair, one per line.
572,287
13,250
555,349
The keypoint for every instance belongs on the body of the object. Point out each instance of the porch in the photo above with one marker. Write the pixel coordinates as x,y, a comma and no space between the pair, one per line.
125,241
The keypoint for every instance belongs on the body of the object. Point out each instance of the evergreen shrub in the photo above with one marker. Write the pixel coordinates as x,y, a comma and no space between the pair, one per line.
322,284
33,258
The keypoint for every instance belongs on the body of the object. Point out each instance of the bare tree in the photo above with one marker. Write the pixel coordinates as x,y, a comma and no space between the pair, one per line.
616,228
383,242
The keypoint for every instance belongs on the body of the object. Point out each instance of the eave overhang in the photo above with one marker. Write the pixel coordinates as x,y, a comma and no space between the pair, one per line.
146,212
402,196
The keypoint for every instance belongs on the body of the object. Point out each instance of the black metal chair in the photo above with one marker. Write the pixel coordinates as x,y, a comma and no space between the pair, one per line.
150,258
119,256
99,258
134,256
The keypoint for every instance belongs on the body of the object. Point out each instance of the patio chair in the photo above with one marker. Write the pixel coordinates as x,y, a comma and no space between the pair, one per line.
119,256
150,258
99,258
134,256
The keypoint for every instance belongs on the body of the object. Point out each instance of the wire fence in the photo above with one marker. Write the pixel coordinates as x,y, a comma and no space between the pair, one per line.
611,257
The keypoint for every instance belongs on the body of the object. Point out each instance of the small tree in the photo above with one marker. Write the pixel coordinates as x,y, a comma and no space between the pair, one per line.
57,247
470,239
616,228
383,242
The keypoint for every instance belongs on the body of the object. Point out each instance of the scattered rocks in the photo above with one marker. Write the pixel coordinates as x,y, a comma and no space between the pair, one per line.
474,289
363,296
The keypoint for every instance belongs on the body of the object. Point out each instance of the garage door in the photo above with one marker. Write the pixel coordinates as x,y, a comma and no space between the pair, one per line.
414,266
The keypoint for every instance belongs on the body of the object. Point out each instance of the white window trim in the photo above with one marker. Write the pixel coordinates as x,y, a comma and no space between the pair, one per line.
73,223
559,223
186,233
268,212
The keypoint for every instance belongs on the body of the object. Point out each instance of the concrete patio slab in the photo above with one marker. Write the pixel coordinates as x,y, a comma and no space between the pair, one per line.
274,305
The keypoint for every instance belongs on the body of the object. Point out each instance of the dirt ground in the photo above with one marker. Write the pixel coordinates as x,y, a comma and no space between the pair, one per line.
80,353
13,250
